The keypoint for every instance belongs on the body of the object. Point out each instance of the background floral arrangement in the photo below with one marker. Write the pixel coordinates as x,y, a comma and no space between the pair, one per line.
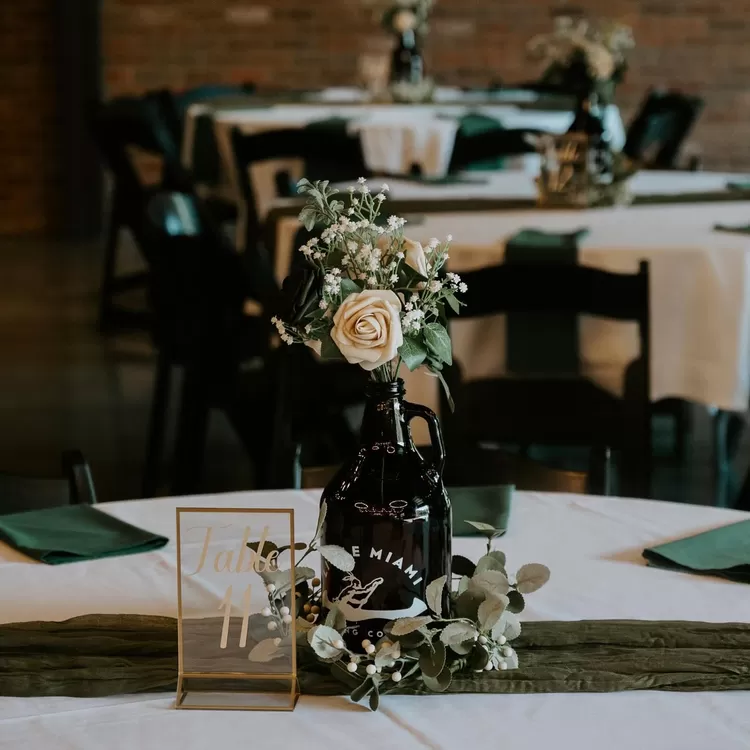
472,620
408,15
580,53
369,294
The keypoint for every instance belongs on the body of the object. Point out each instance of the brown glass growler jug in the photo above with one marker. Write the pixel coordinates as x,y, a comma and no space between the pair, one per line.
388,508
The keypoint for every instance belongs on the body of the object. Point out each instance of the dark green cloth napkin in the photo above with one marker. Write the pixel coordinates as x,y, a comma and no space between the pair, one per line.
741,186
721,552
476,123
542,343
73,533
484,504
740,229
102,655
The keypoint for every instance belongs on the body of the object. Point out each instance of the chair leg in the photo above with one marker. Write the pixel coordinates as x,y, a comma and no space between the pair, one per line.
157,427
192,431
106,291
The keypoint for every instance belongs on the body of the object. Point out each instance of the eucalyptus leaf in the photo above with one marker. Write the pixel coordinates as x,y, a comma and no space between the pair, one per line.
338,557
490,611
362,691
490,582
321,520
447,391
434,595
458,632
374,698
478,659
440,683
438,342
282,579
453,302
467,604
516,602
303,626
268,548
349,287
462,566
387,655
412,352
336,619
321,640
407,625
298,547
531,577
463,584
494,560
328,348
411,640
432,658
464,648
264,651
485,528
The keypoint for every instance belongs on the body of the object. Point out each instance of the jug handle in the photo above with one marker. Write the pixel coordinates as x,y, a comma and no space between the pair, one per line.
433,423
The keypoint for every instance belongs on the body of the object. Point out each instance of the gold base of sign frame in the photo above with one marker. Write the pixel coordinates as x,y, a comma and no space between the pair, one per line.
252,693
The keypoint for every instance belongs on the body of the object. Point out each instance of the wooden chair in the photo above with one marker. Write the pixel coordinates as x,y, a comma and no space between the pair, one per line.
658,131
484,468
547,410
328,152
198,291
76,487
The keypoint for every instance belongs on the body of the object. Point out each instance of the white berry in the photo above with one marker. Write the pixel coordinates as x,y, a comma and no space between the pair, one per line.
286,619
396,676
365,643
338,644
501,639
378,669
482,640
503,665
266,611
507,651
271,588
370,669
273,625
284,610
370,649
351,667
488,666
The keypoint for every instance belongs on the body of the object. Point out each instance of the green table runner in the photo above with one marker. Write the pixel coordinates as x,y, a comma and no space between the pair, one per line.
721,552
101,655
543,343
73,533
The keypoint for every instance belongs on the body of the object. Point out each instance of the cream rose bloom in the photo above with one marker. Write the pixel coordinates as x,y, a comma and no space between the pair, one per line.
404,20
367,328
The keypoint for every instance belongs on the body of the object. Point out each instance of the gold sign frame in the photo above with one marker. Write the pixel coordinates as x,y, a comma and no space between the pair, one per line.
217,683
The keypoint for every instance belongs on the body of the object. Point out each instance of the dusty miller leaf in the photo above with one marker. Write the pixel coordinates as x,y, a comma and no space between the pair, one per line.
458,632
407,625
467,604
490,582
509,625
338,557
490,611
531,577
321,640
434,594
494,560
266,650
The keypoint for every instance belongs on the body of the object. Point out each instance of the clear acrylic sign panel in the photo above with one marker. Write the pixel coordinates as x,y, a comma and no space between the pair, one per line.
232,653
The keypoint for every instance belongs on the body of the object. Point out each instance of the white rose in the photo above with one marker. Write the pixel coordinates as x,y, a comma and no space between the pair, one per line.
415,257
404,20
367,328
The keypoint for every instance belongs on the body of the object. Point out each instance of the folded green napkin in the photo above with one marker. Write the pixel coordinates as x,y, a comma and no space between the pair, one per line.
740,229
721,552
741,186
475,123
489,505
72,533
543,343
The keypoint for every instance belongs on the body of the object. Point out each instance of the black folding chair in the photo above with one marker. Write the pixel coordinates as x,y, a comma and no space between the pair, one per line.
566,411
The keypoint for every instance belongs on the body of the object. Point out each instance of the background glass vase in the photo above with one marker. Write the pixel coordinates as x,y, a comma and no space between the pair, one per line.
388,508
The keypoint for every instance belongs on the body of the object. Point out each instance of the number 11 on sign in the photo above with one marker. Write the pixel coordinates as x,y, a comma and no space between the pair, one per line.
226,605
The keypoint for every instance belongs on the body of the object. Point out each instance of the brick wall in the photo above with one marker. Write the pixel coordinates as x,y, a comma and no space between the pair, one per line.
698,45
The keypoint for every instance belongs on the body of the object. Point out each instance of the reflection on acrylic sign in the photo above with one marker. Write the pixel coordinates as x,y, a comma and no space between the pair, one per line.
233,654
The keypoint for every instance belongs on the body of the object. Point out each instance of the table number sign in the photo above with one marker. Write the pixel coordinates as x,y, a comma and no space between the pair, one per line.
237,645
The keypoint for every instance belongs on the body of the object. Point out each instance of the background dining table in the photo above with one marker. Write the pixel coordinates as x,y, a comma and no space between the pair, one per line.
593,547
700,277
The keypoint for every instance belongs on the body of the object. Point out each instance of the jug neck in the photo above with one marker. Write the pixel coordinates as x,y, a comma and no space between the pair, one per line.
384,420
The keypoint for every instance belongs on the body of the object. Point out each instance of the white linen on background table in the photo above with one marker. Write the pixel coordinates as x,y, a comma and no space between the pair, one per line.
593,547
700,283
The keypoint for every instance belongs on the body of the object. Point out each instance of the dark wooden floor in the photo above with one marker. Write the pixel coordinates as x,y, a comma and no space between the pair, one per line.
64,385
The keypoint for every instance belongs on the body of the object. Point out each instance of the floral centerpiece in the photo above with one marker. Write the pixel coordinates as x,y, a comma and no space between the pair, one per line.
369,294
584,57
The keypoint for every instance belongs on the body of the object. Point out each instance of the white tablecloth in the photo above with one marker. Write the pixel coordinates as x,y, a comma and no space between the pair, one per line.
700,283
593,547
394,137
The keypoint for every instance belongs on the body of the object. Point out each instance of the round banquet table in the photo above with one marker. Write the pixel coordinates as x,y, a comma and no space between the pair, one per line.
593,547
